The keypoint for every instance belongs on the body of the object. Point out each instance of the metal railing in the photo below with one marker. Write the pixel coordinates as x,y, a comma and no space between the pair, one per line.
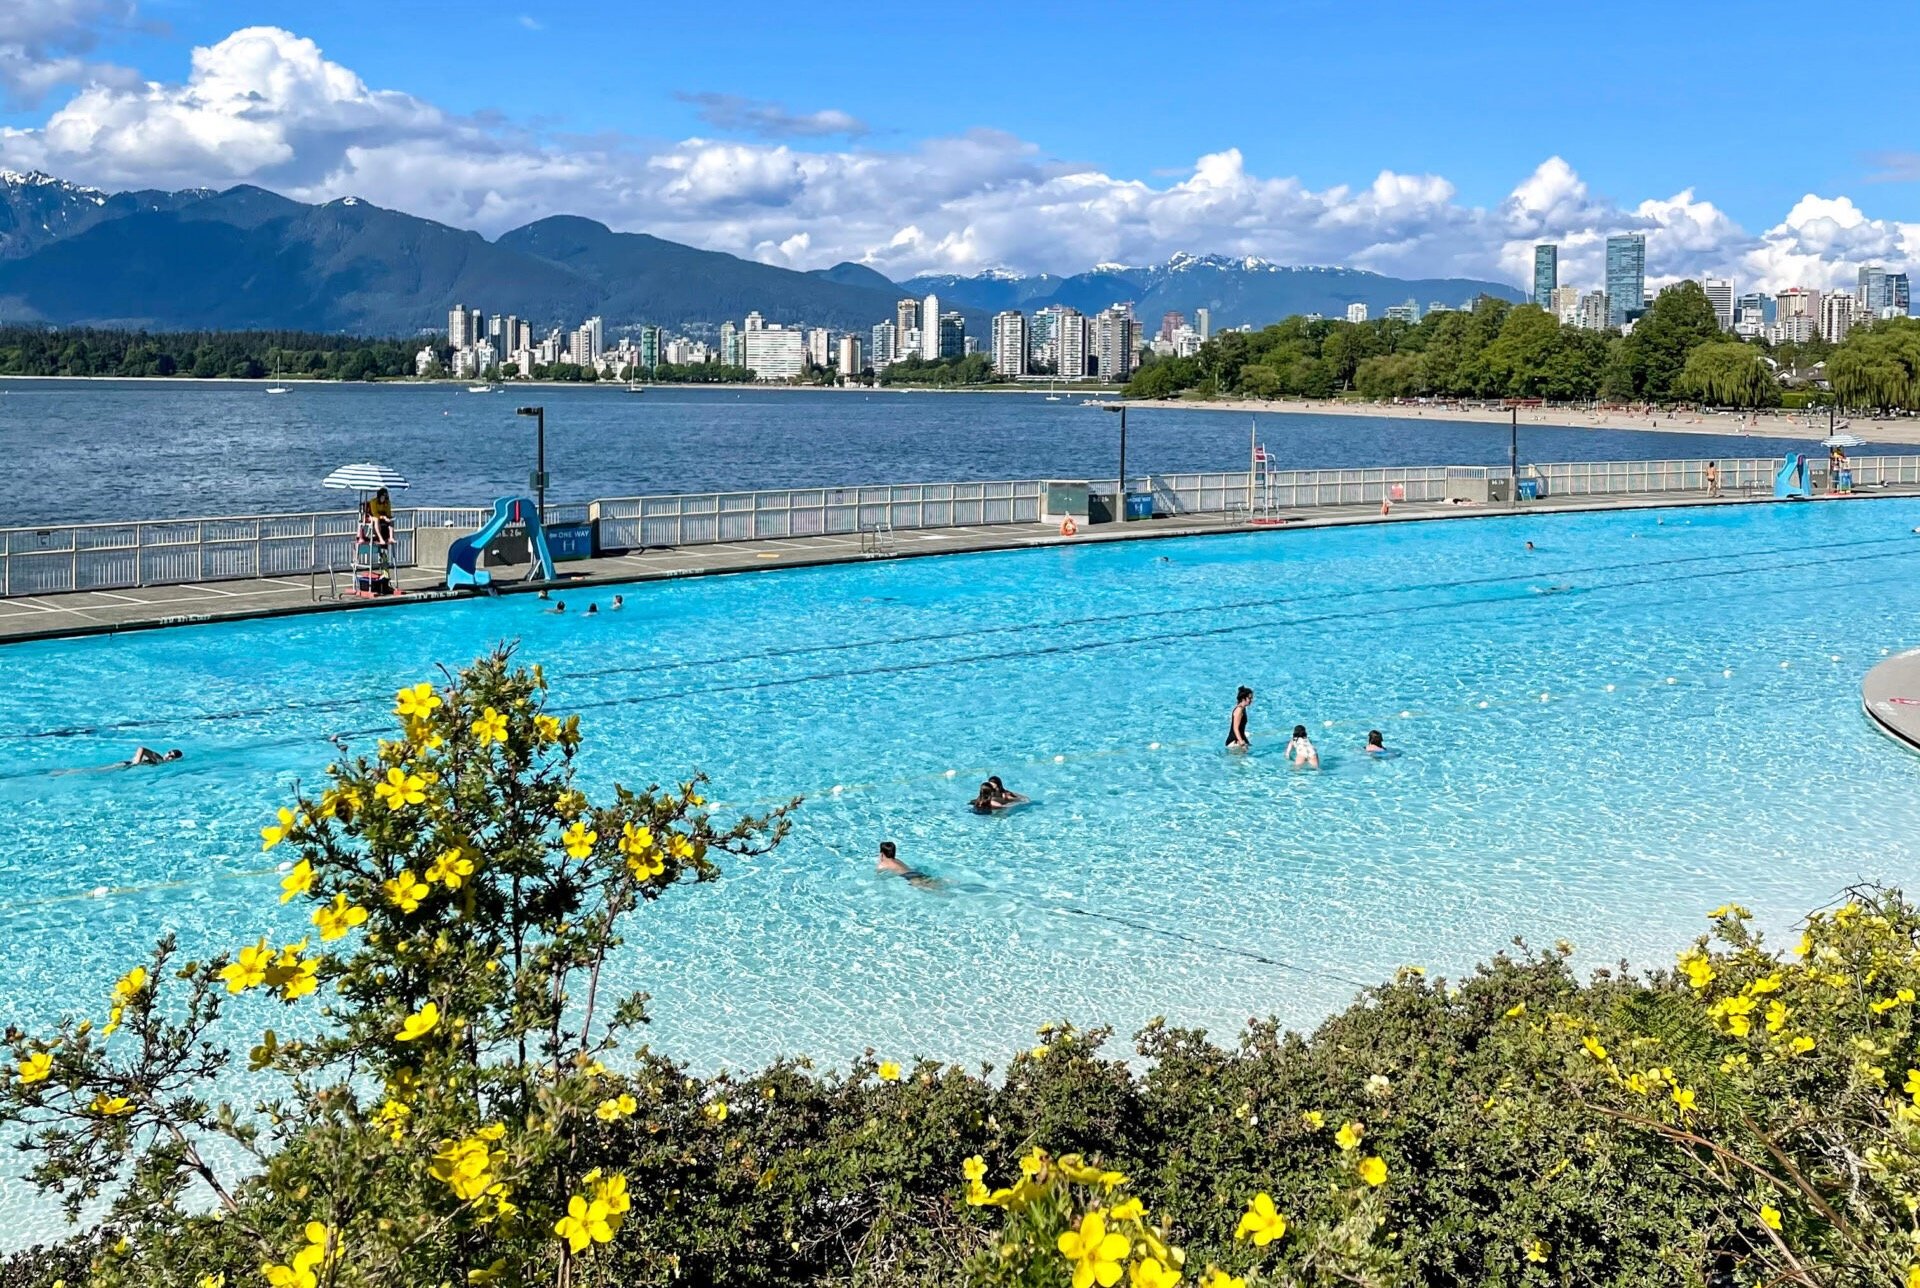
113,556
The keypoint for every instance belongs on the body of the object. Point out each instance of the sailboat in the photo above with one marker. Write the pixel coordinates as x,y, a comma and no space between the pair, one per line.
1052,396
276,387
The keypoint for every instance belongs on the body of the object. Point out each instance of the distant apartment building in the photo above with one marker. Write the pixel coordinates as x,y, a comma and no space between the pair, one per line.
1797,302
1041,352
930,328
1720,294
1626,278
850,364
883,345
1898,298
457,336
651,347
1546,273
819,347
1408,312
1115,341
1356,312
949,338
1595,312
774,352
1797,329
1170,321
1564,304
906,318
1010,343
1203,324
1873,296
732,352
1755,308
1837,316
1070,343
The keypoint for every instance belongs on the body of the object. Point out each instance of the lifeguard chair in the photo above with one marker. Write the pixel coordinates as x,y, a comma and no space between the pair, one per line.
375,534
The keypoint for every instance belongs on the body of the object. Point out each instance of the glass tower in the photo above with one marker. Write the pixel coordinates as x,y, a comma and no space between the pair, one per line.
1626,277
1546,273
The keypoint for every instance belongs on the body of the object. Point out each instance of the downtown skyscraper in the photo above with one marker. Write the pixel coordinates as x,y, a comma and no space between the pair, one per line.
1626,277
1546,273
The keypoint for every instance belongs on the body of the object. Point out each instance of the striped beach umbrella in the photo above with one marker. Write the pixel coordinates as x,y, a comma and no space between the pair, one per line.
364,477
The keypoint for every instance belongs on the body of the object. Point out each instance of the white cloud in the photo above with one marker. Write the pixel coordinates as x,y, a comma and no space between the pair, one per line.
45,44
768,120
266,106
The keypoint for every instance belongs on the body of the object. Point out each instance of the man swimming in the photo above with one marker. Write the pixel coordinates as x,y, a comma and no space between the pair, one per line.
1237,722
890,864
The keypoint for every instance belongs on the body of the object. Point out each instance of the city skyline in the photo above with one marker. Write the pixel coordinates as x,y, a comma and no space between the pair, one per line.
745,157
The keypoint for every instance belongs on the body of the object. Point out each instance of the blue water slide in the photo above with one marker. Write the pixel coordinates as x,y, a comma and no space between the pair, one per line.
463,556
1792,480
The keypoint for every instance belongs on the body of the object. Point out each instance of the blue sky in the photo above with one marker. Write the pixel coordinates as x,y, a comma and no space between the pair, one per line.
743,133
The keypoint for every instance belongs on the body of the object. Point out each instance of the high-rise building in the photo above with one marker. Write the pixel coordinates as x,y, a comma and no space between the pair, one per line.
850,364
596,339
1408,312
1564,304
1595,312
1720,294
1356,312
1069,342
1898,299
950,336
906,317
1114,343
930,328
1041,352
1872,294
755,322
1797,302
775,353
650,354
1203,323
819,347
732,354
884,347
1010,343
1755,307
1626,277
1170,321
1546,273
1836,316
457,336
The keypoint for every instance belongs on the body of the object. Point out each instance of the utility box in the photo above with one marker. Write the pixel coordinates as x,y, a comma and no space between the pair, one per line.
1532,489
1139,505
570,541
1061,500
1499,490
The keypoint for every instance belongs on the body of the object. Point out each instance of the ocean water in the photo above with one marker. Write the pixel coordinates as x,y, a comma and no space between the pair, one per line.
84,451
1648,715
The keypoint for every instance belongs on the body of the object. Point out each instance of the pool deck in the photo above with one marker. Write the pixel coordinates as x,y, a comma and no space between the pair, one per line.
1890,695
103,612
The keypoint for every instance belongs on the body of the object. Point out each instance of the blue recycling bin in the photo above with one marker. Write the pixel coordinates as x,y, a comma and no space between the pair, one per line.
1139,505
1532,489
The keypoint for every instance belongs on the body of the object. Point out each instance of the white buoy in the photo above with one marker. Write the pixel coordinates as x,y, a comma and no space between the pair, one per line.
1546,697
1059,760
1483,704
98,892
284,867
1326,724
952,772
1406,715
1671,680
837,789
1833,657
1728,673
1153,746
1785,665
1609,688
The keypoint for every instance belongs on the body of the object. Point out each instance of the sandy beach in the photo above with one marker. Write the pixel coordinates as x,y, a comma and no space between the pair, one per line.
1798,426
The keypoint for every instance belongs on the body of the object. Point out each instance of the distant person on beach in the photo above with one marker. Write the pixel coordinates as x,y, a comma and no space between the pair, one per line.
1237,722
1300,750
890,864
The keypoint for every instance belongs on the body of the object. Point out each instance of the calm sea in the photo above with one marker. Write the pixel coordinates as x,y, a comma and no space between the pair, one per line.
83,451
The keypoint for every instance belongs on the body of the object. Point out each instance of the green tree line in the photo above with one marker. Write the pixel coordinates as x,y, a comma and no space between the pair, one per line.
973,369
240,355
1497,349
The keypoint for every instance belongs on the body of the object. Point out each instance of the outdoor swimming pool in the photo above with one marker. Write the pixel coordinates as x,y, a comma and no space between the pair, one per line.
1156,874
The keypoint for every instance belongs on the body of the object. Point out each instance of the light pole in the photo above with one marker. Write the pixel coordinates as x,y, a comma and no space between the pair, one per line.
539,415
1120,493
1513,459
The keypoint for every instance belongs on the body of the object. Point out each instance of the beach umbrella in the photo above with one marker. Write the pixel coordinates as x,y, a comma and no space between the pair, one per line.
364,477
1845,440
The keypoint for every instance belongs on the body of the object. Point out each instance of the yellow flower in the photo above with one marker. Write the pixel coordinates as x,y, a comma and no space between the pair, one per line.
1314,1119
716,1111
273,834
1776,1016
419,1024
1770,1216
546,728
337,918
129,985
1261,1222
1765,984
491,727
974,1169
405,891
1218,1278
612,1111
579,840
1094,1254
1373,1171
1594,1048
1683,1097
1538,1250
680,847
298,881
491,1274
465,1166
401,789
1699,970
249,968
612,1191
37,1067
1348,1137
111,1106
1517,1010
213,1281
889,1071
450,869
584,1223
1131,1210
302,1273
292,974
1801,1045
1151,1272
416,703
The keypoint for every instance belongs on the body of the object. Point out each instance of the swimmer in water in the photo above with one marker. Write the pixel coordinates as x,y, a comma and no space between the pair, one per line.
1300,750
592,609
146,756
994,797
617,604
1529,547
890,864
1376,745
1237,722
559,605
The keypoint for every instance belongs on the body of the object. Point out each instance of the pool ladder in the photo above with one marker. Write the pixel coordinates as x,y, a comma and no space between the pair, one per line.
876,539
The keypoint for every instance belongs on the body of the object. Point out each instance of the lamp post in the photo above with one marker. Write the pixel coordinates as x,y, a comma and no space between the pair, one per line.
539,415
1513,459
1120,492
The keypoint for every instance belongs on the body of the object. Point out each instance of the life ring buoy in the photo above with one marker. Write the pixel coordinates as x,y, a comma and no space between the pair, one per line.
1068,527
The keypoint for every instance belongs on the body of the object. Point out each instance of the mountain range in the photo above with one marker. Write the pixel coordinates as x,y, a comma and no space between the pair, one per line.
247,258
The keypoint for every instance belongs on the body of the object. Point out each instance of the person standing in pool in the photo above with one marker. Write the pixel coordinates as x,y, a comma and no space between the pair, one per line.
890,864
1376,745
1300,750
1237,722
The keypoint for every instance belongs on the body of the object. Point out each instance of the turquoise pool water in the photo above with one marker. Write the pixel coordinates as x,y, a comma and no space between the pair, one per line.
1550,779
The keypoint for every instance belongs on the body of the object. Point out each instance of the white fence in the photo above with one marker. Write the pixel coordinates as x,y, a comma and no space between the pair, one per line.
111,556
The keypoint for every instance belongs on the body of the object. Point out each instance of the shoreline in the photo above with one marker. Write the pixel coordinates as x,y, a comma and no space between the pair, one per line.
1772,424
1072,393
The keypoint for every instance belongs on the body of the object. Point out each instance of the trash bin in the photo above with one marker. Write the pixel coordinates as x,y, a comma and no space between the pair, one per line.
570,541
1531,490
1139,505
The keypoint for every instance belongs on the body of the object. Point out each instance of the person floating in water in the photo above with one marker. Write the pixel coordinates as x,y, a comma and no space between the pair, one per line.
994,797
890,864
618,603
1300,750
1376,745
1237,722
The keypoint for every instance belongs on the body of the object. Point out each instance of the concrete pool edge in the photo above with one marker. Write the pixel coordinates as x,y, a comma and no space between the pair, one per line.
1890,698
726,559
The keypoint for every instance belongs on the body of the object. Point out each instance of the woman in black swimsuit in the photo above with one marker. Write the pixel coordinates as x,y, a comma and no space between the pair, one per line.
1237,724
